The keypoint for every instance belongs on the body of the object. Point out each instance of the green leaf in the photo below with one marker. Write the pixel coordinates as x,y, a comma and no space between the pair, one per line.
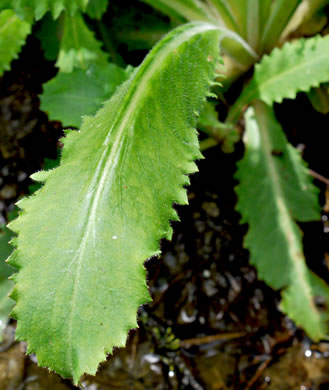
79,48
68,97
40,7
96,8
305,11
224,14
189,10
319,98
13,32
275,191
233,45
296,67
50,32
223,133
6,304
5,4
280,14
105,208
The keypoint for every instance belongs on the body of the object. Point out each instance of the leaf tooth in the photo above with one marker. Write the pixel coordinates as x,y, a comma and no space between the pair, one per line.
14,293
13,260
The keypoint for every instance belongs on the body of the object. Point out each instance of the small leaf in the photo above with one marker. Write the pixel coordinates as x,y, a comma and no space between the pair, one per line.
96,8
49,33
40,7
68,97
13,32
296,67
275,191
79,48
105,208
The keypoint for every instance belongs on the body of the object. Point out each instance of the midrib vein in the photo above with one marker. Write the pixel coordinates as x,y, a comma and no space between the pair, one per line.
112,156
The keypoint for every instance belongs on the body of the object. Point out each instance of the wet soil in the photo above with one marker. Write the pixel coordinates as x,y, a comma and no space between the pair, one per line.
212,324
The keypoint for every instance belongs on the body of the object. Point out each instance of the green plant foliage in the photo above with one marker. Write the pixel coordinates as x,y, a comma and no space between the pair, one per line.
280,14
82,257
6,304
223,133
40,7
79,48
319,98
96,8
184,10
5,4
13,32
50,32
296,67
275,191
68,97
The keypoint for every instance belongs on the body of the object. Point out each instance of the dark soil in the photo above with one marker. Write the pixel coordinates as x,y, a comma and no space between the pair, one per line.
212,324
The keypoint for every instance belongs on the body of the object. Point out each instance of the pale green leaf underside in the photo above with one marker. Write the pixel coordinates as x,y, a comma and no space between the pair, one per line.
83,238
275,191
79,48
13,32
296,67
68,97
40,7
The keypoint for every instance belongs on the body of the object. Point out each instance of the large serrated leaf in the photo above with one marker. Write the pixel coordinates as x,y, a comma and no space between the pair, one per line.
275,191
79,48
81,277
13,32
39,7
296,67
67,97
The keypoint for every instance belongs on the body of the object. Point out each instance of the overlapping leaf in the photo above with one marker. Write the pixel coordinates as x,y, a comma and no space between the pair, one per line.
275,191
13,32
79,48
49,32
106,207
96,8
68,97
39,7
6,304
295,67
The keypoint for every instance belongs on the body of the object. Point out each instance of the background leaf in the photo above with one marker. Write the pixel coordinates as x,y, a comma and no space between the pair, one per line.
275,191
105,208
68,97
40,7
96,8
50,32
296,67
13,32
79,48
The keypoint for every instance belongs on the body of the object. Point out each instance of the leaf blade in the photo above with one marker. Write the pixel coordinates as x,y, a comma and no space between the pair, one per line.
79,48
275,190
282,74
68,97
106,281
13,33
39,7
